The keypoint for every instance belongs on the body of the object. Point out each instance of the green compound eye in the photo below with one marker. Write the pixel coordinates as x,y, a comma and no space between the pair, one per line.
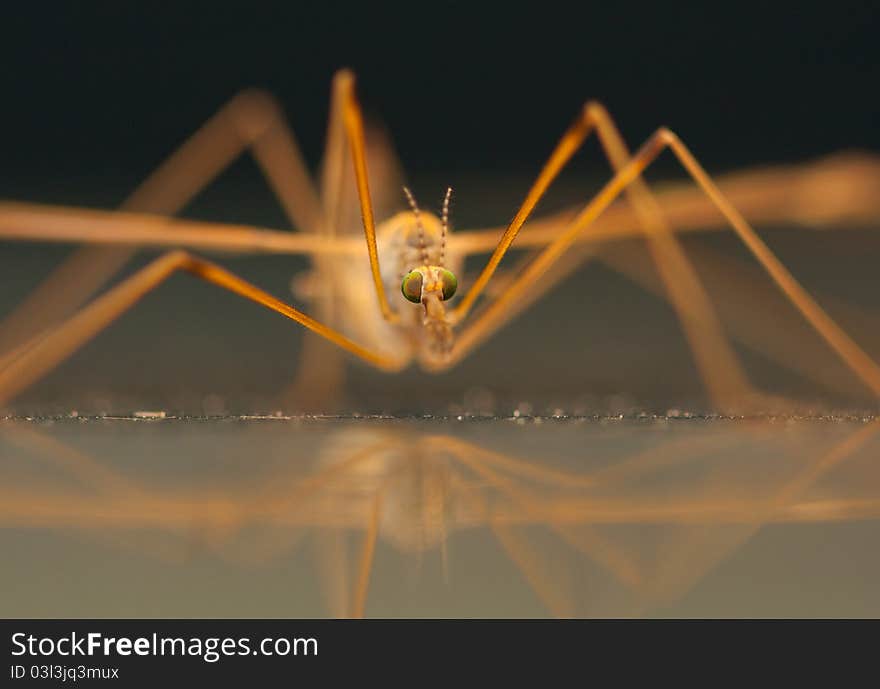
450,284
412,286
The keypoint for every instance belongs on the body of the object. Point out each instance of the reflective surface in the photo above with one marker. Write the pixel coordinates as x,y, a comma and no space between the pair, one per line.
473,517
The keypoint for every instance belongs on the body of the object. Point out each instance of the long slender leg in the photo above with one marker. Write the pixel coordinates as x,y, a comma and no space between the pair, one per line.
716,361
354,128
837,191
846,348
321,369
251,119
339,191
809,196
750,309
61,341
46,223
571,141
755,313
718,364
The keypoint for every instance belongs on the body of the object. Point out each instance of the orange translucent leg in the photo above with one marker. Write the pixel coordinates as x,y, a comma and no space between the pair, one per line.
846,348
751,311
320,374
716,361
843,190
839,190
836,191
34,222
250,120
755,313
354,129
49,350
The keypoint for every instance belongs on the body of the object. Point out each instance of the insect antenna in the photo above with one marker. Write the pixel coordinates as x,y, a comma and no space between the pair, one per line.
415,210
444,226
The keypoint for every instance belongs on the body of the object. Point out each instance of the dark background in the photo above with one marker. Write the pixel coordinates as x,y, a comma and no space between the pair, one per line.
92,88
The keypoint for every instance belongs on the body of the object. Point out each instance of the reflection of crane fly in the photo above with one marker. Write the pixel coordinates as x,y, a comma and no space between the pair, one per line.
402,297
651,520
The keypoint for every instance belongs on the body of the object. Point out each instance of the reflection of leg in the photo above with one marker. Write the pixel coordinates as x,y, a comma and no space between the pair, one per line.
359,597
332,563
286,498
583,539
666,455
705,545
553,588
92,507
518,467
91,474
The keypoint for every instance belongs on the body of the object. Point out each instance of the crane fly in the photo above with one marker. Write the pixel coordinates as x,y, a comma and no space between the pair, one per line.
407,300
